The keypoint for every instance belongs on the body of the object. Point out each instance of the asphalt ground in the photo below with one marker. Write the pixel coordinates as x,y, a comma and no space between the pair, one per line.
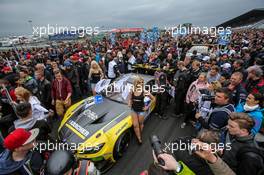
138,157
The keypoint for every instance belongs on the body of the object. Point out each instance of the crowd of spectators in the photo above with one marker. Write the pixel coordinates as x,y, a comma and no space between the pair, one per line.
220,91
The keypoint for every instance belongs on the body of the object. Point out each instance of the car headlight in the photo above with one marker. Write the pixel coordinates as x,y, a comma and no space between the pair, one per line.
92,149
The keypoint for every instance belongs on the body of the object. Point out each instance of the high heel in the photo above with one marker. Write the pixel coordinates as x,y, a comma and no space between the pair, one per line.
139,141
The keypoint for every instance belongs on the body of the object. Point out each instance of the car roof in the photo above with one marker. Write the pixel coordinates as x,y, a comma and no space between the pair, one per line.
132,76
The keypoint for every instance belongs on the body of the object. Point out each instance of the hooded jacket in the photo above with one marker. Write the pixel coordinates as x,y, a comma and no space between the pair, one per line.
38,111
26,124
9,166
256,115
32,123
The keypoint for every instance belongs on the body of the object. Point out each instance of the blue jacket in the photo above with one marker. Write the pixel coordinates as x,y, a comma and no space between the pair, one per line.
256,115
9,166
1,143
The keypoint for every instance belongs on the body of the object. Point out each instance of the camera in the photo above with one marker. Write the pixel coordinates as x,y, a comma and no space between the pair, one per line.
163,82
156,145
204,91
193,149
208,98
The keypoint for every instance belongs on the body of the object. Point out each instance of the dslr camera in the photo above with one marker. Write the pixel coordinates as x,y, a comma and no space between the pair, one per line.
208,98
206,95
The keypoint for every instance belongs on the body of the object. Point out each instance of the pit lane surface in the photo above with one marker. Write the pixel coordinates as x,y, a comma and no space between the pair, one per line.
138,158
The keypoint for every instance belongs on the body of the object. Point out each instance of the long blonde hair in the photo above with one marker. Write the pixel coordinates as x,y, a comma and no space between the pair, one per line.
24,93
137,80
98,68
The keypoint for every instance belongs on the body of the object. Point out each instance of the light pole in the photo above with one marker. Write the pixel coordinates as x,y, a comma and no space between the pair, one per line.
30,23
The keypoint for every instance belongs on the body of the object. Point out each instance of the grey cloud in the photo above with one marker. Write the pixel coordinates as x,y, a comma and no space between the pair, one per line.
118,13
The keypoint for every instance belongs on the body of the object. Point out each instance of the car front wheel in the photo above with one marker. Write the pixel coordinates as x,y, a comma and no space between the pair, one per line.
122,144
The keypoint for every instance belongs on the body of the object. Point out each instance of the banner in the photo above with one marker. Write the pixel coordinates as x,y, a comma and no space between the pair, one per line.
224,38
143,36
112,38
156,34
150,36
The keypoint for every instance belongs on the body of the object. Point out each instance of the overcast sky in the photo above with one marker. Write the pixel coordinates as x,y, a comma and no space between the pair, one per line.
14,14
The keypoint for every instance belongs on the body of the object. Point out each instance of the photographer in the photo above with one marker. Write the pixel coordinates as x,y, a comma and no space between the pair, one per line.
242,156
219,115
217,165
204,104
184,149
165,161
172,165
62,162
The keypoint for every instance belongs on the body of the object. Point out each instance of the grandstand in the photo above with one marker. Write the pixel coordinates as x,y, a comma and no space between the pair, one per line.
253,19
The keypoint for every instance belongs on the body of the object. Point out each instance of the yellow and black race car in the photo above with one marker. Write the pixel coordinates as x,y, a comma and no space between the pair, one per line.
101,129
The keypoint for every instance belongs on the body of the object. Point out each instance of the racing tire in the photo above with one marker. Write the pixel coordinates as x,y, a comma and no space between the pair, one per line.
122,144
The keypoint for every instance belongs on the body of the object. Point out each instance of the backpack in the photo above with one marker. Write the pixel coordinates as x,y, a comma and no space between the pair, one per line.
162,79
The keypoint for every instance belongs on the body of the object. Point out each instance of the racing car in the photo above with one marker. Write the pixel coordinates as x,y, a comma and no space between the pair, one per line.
101,125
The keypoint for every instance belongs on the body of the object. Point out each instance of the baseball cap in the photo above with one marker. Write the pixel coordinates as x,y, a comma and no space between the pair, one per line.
6,69
75,57
20,137
67,63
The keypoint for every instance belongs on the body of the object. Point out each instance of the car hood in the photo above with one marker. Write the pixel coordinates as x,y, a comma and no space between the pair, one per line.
88,118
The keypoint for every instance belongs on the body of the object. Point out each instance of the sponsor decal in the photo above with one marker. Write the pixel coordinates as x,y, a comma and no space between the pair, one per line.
78,128
120,129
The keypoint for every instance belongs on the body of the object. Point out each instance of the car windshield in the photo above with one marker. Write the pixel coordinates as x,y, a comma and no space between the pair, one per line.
119,89
199,49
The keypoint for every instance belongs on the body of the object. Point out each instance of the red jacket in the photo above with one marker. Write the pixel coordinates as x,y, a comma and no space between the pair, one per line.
61,89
